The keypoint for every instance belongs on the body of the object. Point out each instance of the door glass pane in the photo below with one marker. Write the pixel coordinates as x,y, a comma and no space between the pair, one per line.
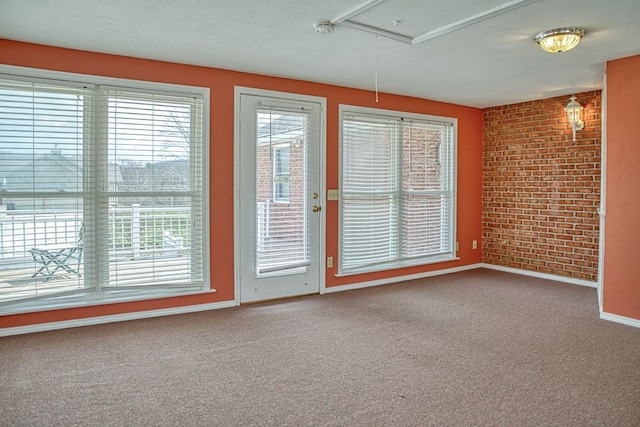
282,244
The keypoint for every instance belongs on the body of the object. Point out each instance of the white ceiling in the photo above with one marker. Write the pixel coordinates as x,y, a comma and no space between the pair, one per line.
491,62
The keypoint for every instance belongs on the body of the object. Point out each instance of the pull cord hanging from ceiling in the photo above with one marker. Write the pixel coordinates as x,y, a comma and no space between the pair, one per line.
375,73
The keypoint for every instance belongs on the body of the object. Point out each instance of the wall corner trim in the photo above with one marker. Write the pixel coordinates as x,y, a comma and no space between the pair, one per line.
620,319
542,275
396,279
42,327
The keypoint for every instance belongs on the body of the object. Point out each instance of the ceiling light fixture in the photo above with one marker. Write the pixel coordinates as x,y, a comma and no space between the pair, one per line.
324,27
560,39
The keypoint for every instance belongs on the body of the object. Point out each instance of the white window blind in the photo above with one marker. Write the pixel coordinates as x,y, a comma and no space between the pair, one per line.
102,192
397,203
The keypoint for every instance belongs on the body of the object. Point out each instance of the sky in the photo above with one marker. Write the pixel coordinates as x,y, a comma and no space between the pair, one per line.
35,123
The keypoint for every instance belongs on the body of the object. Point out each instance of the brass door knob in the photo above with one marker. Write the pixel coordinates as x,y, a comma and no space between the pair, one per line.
316,208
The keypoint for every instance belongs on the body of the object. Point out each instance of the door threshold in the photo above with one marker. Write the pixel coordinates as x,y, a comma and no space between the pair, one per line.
277,300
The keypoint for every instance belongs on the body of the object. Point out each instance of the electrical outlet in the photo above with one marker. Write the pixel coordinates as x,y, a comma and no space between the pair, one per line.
333,194
474,244
329,262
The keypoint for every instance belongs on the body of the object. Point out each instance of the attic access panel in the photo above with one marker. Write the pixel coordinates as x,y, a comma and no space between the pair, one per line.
415,22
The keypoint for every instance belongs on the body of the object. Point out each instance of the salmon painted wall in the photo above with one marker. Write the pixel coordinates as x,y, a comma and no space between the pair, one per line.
621,281
222,84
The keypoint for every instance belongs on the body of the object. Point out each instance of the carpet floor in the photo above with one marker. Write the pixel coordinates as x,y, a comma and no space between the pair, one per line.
477,348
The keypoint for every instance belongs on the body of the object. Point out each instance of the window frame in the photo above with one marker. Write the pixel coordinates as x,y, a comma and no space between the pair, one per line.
384,114
278,174
89,297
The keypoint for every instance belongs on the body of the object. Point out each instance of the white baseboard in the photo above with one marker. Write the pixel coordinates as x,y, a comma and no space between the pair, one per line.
542,275
396,279
41,327
620,319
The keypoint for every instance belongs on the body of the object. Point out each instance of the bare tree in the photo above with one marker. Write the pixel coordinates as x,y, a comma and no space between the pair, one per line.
178,133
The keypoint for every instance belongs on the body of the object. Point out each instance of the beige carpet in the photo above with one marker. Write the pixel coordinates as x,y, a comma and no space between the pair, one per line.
469,349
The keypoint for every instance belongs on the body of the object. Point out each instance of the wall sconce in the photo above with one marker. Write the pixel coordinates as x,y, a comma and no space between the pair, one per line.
574,111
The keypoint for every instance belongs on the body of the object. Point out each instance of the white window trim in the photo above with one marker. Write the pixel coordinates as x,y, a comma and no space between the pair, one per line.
108,296
276,149
384,113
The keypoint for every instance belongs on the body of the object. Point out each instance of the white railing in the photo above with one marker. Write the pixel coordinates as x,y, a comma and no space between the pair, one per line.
137,232
134,232
263,223
23,230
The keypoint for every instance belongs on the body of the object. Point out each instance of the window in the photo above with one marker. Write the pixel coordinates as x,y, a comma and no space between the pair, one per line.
281,173
397,202
102,190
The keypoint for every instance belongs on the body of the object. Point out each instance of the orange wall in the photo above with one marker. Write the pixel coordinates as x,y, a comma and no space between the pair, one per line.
621,281
222,83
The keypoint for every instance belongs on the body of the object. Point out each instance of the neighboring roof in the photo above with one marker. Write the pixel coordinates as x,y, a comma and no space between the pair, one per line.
45,172
49,172
283,127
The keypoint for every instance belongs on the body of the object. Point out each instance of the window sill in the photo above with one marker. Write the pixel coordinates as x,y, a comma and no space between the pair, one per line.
93,299
394,266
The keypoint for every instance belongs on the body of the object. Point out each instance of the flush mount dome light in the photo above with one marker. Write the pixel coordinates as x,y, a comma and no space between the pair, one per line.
324,27
560,39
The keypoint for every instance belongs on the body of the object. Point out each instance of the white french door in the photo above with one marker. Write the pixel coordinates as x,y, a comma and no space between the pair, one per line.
280,195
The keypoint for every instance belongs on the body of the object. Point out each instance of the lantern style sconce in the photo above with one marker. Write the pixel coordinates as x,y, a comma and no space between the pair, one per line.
574,113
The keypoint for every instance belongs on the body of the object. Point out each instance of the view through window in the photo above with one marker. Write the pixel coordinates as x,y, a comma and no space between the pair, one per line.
397,204
101,191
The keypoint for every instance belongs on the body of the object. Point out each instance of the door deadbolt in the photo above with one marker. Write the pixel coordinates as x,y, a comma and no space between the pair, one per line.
314,195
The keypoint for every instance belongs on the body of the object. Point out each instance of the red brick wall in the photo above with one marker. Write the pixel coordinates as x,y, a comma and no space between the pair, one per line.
541,190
